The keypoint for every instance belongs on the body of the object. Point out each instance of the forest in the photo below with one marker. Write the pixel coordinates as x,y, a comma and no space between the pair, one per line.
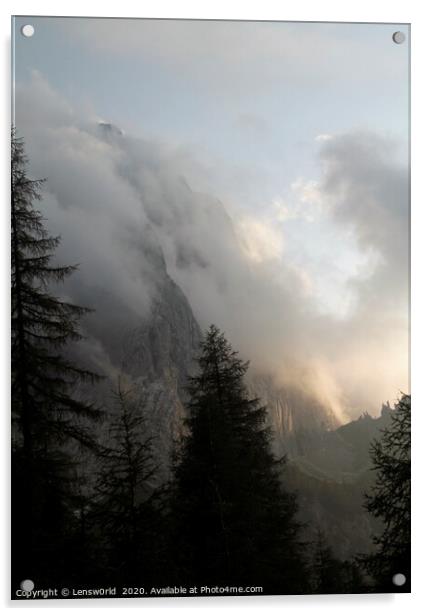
90,506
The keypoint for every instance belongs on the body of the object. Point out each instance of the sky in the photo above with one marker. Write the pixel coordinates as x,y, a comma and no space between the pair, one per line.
281,147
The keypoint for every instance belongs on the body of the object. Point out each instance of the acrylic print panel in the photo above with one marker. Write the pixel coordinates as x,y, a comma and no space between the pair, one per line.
210,275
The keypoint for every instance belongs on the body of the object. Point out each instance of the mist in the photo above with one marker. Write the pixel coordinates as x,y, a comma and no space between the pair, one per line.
123,205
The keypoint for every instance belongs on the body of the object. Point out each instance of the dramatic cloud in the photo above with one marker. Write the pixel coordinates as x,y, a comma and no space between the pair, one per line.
236,52
365,187
122,205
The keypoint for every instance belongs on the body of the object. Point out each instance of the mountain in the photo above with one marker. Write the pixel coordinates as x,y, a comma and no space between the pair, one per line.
342,454
328,465
158,356
331,479
296,417
152,352
336,508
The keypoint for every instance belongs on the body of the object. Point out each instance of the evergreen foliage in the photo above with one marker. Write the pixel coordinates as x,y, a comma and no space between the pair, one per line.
329,574
47,415
128,509
234,524
326,570
43,378
389,500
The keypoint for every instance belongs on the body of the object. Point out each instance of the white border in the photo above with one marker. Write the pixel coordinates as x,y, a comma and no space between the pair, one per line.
408,11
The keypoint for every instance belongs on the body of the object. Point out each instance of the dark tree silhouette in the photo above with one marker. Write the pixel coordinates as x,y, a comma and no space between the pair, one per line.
128,505
329,574
46,412
233,523
326,570
389,500
42,378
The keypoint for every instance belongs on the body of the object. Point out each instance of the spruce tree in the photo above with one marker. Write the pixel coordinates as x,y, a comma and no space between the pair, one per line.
233,522
127,497
42,325
389,501
47,415
328,572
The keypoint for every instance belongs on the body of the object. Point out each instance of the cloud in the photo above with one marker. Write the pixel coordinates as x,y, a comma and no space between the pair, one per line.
239,54
365,186
124,206
364,192
323,137
260,240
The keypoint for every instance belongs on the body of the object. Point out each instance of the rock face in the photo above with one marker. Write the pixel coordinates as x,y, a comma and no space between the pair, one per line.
152,352
164,346
296,418
158,356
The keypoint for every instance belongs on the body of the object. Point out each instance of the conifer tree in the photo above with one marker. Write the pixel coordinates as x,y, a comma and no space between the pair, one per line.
47,415
327,571
42,325
128,498
233,522
389,500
